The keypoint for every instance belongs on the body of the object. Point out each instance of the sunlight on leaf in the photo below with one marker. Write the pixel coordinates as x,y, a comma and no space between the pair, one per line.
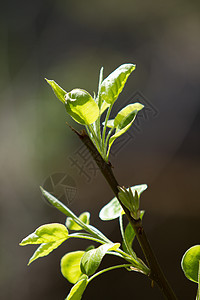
190,263
77,290
45,249
81,106
58,91
112,86
70,266
92,258
111,211
126,115
46,233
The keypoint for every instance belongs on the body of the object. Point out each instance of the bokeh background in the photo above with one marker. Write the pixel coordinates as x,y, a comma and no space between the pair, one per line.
69,41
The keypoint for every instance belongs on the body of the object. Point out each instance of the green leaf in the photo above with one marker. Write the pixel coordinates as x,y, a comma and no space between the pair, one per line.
140,188
77,290
70,266
112,86
92,258
104,106
45,234
198,290
111,211
58,91
121,130
81,106
127,115
50,236
190,263
44,249
129,235
84,217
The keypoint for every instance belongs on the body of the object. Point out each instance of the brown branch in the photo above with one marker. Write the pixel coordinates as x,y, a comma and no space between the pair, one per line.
156,273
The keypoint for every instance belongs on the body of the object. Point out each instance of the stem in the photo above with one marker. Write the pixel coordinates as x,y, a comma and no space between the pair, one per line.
108,269
156,273
105,125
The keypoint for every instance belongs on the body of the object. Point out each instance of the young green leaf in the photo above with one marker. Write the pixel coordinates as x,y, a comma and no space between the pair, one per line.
84,217
111,211
126,115
58,91
81,106
104,106
46,233
92,258
50,236
70,266
129,235
121,130
190,263
140,188
77,290
112,86
44,249
198,290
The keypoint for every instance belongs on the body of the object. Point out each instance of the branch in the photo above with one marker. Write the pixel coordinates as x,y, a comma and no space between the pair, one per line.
156,273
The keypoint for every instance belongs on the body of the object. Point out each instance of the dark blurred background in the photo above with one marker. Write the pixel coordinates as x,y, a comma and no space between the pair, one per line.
69,41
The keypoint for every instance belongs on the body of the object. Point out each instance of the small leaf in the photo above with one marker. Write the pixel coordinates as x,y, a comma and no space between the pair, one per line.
110,123
111,211
104,106
84,217
45,249
129,234
112,86
77,290
121,130
190,263
92,258
58,91
126,115
81,106
46,233
139,188
70,266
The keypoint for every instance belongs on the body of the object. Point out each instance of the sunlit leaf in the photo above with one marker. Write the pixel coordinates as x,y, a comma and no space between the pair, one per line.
112,86
81,106
77,290
104,106
46,233
111,211
140,188
70,266
118,134
92,258
126,115
84,217
45,249
190,263
198,290
58,91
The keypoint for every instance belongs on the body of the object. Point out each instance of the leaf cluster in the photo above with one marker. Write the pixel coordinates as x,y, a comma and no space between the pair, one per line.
80,267
89,111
